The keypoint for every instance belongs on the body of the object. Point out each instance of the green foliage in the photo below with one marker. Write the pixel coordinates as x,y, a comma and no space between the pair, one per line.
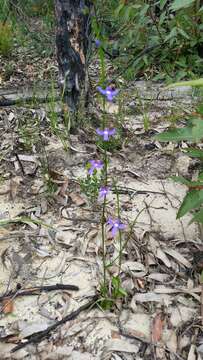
114,143
193,132
19,15
6,39
171,34
90,186
181,4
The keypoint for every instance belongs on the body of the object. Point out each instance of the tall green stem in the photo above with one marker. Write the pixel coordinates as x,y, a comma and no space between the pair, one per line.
103,220
120,235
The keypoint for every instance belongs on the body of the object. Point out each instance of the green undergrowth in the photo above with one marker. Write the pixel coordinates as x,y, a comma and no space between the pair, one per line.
28,24
153,39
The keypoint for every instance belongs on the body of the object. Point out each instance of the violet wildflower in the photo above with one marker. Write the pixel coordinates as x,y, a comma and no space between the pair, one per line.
95,165
109,92
106,133
116,225
97,43
103,191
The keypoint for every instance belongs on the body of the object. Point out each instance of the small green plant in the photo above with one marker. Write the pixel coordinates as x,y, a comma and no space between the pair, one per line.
6,39
28,131
192,132
8,71
60,130
90,186
156,39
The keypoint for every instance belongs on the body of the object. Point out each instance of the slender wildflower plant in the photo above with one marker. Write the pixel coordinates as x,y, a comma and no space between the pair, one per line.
110,289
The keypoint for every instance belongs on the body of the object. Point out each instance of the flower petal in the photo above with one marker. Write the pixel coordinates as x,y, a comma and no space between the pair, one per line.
106,135
99,132
112,131
110,222
114,230
115,92
102,91
90,171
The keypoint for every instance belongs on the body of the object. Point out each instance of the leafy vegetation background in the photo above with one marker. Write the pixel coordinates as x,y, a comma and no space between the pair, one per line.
155,39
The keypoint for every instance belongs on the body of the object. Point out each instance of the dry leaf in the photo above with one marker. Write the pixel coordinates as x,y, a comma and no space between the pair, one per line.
177,256
162,256
14,185
121,346
157,327
77,199
135,268
191,354
7,306
115,334
151,296
158,277
63,188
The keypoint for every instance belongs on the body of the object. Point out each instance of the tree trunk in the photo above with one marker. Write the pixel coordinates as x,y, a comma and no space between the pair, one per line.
72,39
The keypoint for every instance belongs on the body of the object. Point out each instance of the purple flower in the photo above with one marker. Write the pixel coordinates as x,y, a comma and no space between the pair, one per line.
103,191
97,43
106,133
109,92
95,165
116,225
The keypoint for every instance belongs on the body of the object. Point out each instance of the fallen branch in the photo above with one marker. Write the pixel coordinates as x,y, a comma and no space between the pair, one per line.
9,101
37,290
40,335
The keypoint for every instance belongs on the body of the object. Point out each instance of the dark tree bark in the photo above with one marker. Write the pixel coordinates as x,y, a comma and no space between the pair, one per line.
72,39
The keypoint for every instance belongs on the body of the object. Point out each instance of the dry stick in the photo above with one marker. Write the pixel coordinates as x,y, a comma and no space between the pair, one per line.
27,99
37,290
40,335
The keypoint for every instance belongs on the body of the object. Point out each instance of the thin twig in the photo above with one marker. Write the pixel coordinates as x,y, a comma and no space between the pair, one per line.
40,335
38,289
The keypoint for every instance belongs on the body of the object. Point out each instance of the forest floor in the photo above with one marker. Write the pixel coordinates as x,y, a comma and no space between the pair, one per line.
52,234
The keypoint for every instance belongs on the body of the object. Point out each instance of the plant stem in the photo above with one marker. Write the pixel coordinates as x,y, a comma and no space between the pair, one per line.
103,220
120,235
128,238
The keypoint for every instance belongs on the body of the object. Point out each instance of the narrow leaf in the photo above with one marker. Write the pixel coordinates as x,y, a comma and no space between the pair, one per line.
194,153
181,4
192,200
176,135
198,82
198,217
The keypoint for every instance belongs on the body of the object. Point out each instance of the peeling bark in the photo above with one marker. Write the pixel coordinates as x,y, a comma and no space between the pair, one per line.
72,35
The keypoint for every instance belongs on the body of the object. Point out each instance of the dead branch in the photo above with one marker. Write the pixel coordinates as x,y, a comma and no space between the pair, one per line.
40,335
37,290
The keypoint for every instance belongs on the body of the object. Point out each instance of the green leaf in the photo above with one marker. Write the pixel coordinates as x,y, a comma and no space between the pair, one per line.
194,153
198,82
119,9
122,292
183,33
181,180
172,34
115,282
198,217
197,129
190,184
192,200
181,4
193,132
162,4
176,135
200,109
